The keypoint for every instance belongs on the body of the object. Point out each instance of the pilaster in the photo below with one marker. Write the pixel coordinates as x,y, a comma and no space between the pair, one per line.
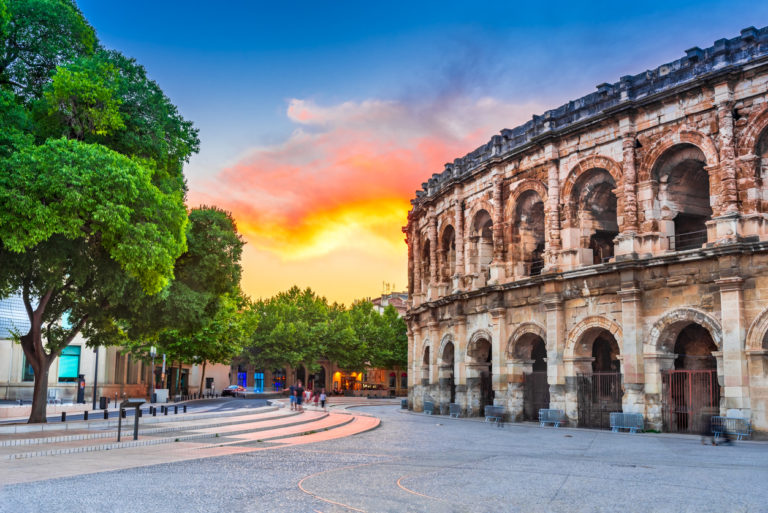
735,373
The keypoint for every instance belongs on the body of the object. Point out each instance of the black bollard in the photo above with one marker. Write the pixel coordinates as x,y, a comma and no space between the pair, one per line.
85,415
122,413
63,416
141,412
166,411
154,412
185,408
176,409
106,414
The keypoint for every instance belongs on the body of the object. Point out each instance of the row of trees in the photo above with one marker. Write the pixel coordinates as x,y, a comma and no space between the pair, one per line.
297,327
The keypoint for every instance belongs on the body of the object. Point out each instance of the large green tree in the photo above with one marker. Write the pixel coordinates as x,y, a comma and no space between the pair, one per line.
92,215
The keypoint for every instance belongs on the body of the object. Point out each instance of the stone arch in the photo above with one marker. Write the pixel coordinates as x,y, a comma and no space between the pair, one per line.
516,340
476,207
477,336
592,322
446,251
751,134
665,330
447,339
756,334
521,187
667,141
587,164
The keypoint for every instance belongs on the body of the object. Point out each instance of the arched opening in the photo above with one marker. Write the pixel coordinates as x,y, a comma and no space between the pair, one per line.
426,270
425,367
481,245
691,390
684,194
597,216
480,387
535,386
447,382
599,391
447,254
528,232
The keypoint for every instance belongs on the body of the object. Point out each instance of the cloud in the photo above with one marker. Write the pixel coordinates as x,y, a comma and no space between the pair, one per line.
345,176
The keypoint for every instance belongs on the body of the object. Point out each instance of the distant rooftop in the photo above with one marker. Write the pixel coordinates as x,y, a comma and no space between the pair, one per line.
698,64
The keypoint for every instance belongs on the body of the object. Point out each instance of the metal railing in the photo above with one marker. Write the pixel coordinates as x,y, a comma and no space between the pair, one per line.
534,267
688,240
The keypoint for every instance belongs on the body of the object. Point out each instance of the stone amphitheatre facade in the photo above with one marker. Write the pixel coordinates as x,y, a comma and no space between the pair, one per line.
609,255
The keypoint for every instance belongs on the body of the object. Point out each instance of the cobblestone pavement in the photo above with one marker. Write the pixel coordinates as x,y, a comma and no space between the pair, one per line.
417,463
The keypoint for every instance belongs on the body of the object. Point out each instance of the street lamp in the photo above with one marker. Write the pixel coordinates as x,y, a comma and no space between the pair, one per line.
152,353
95,374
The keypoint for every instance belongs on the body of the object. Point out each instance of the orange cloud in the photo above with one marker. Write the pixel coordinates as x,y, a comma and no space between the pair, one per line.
343,180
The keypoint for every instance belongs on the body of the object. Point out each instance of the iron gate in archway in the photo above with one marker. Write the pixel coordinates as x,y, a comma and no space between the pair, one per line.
685,393
599,394
535,394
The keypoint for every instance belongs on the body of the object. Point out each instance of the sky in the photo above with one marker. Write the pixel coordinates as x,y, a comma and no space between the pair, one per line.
319,120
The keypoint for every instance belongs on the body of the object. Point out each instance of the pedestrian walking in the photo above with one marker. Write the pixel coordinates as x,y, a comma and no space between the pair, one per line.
316,398
322,399
299,397
705,425
292,390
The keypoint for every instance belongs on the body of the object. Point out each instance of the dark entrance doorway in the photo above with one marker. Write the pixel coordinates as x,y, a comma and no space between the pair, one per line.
600,392
479,353
692,385
535,386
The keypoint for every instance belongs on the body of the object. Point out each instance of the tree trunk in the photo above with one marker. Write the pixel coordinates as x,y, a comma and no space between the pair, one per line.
40,395
202,379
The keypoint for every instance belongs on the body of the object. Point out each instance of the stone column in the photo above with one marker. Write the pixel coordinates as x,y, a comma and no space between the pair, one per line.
459,360
654,364
553,242
632,354
736,376
553,303
433,271
625,242
499,382
728,193
416,266
460,270
497,265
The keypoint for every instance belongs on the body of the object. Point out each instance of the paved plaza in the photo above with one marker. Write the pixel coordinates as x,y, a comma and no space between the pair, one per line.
417,463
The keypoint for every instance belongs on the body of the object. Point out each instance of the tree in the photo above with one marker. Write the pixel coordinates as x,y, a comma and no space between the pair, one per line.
75,221
91,224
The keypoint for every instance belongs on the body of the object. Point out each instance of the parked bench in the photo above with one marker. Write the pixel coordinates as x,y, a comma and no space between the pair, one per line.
494,414
740,428
631,421
454,410
429,407
548,416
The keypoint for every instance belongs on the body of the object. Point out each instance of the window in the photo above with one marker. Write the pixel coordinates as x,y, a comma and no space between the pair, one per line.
28,373
404,380
69,364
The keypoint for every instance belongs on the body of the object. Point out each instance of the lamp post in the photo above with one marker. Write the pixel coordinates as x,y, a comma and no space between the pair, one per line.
95,374
152,353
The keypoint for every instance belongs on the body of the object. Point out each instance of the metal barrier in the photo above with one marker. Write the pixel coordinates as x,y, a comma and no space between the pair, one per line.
732,426
631,421
429,407
494,414
404,404
454,410
548,416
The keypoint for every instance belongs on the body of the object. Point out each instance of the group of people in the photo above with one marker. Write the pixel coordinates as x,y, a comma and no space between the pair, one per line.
300,396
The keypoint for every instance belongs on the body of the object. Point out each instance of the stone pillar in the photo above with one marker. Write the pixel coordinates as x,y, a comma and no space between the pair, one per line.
728,194
654,364
625,241
553,303
433,330
460,270
416,266
553,243
499,382
459,359
433,270
735,373
497,266
632,350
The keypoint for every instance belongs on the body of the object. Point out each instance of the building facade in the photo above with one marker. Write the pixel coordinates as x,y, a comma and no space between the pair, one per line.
609,255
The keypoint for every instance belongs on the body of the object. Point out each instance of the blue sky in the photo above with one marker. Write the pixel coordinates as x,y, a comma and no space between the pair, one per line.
243,70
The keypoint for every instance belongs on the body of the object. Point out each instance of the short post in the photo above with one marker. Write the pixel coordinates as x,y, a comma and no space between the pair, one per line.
63,416
85,415
185,408
106,414
175,409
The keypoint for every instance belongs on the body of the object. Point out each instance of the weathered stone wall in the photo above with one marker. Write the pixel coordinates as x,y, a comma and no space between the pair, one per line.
655,219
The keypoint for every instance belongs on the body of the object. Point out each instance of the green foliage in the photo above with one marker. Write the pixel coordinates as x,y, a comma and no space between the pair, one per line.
81,98
297,328
87,191
38,36
15,124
